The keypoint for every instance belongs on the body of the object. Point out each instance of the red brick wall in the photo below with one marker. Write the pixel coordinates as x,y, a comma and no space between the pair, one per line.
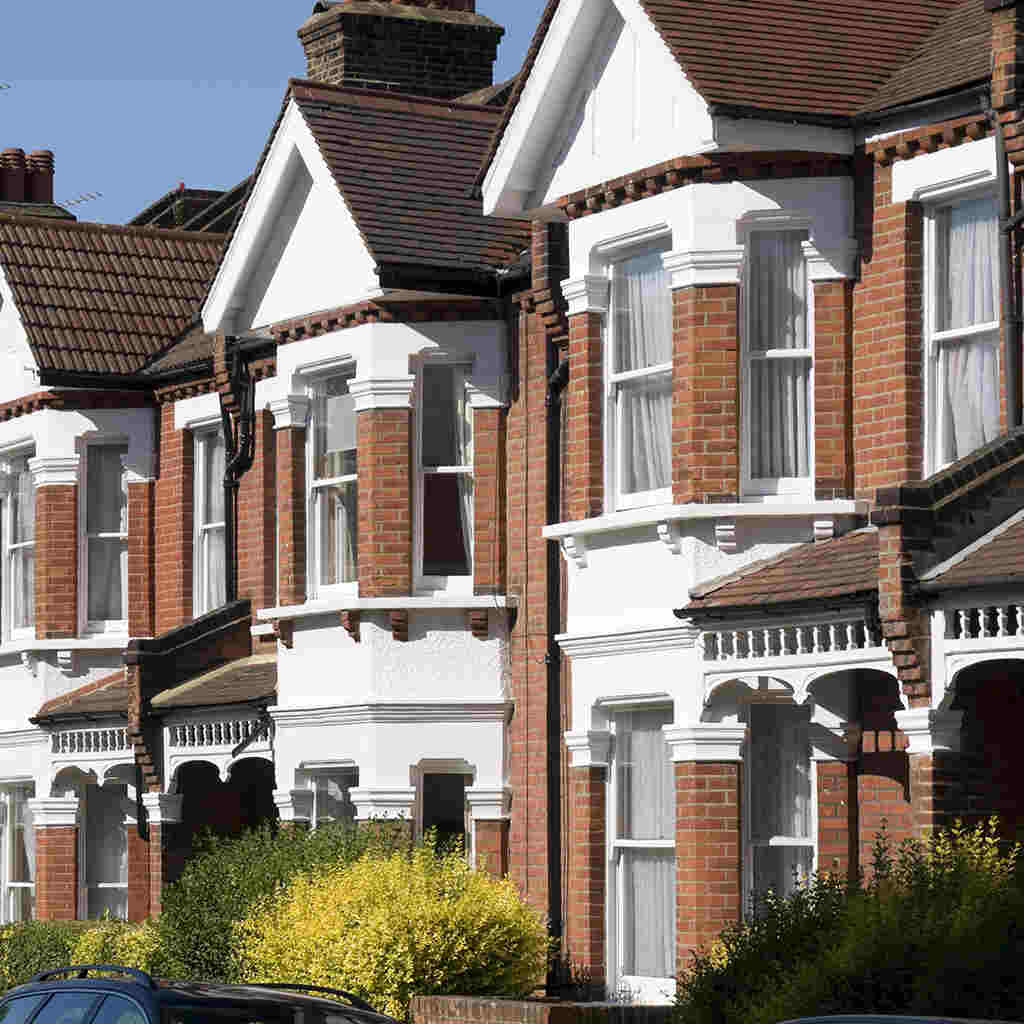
57,873
585,931
490,842
175,515
489,549
141,559
138,876
257,522
837,817
888,392
56,574
160,839
705,392
833,388
708,853
291,514
584,446
385,502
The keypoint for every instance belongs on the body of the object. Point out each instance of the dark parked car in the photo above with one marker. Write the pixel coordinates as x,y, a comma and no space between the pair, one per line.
110,994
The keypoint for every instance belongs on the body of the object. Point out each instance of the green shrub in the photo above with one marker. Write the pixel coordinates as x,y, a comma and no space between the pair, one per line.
390,927
118,942
225,876
34,946
938,930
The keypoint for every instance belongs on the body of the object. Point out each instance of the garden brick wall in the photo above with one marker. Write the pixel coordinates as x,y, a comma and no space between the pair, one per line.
56,561
475,1010
57,873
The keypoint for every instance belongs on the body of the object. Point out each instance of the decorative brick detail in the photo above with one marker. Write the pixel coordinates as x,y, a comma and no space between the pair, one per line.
708,853
937,792
175,517
1007,76
489,550
588,856
57,873
138,875
833,388
837,817
887,357
584,443
490,842
291,515
385,502
928,139
257,520
141,559
705,393
56,572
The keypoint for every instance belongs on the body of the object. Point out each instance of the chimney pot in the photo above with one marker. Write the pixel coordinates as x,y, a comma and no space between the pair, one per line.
12,176
39,179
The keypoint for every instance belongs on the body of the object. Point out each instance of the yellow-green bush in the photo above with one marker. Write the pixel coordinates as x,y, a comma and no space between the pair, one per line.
116,942
34,946
391,927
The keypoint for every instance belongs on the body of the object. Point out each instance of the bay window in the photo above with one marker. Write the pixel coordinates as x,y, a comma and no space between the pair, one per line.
333,484
331,803
445,478
19,852
106,536
642,848
18,514
639,380
208,588
780,836
778,354
962,326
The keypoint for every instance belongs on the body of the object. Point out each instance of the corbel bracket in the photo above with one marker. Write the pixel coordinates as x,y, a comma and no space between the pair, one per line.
350,620
479,623
284,630
400,626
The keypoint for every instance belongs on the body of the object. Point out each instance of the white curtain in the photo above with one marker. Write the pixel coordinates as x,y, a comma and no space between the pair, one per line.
24,869
334,423
779,387
340,512
213,512
642,308
649,928
106,513
969,371
464,454
106,848
646,784
22,568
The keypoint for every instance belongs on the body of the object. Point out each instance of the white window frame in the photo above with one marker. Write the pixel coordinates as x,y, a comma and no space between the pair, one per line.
7,801
314,534
100,626
768,487
749,843
10,634
314,773
634,987
82,791
433,584
201,438
615,253
941,199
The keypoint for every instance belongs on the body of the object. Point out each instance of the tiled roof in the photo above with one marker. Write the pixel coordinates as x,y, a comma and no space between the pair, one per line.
831,58
492,95
51,211
109,695
956,54
405,166
194,347
96,298
997,558
842,567
238,682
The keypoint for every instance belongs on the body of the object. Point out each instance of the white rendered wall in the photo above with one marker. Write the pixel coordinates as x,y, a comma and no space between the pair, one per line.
18,374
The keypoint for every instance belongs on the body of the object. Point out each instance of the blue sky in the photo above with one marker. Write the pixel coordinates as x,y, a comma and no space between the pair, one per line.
134,97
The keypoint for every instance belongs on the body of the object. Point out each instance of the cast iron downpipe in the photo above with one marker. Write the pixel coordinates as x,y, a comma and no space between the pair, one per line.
239,450
558,377
1008,225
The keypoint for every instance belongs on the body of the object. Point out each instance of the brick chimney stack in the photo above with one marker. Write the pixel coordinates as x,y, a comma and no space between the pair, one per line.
437,48
26,179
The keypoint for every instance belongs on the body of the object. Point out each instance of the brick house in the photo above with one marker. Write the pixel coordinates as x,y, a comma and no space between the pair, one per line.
623,466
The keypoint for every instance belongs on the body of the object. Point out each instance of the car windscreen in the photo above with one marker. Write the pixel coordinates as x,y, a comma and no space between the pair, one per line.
68,1007
18,1010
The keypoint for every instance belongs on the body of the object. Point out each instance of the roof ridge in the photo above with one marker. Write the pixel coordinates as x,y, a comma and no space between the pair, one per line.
399,97
96,227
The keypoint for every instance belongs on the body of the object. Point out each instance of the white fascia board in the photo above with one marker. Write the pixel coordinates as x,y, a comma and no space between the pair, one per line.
731,134
947,171
228,287
510,179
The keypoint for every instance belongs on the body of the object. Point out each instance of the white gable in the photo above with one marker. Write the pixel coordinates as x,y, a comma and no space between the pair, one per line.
297,249
18,372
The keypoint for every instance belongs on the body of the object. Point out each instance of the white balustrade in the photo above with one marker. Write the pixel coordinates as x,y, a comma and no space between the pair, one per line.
89,741
224,733
791,641
986,622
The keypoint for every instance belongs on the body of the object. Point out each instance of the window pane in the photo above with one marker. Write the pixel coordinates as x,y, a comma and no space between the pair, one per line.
645,779
213,479
21,903
445,418
106,847
14,1011
339,538
967,263
67,1008
969,381
780,772
778,291
648,927
447,524
118,1010
332,802
779,868
105,502
641,312
334,429
646,457
105,579
22,571
779,412
213,555
23,525
444,806
23,856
